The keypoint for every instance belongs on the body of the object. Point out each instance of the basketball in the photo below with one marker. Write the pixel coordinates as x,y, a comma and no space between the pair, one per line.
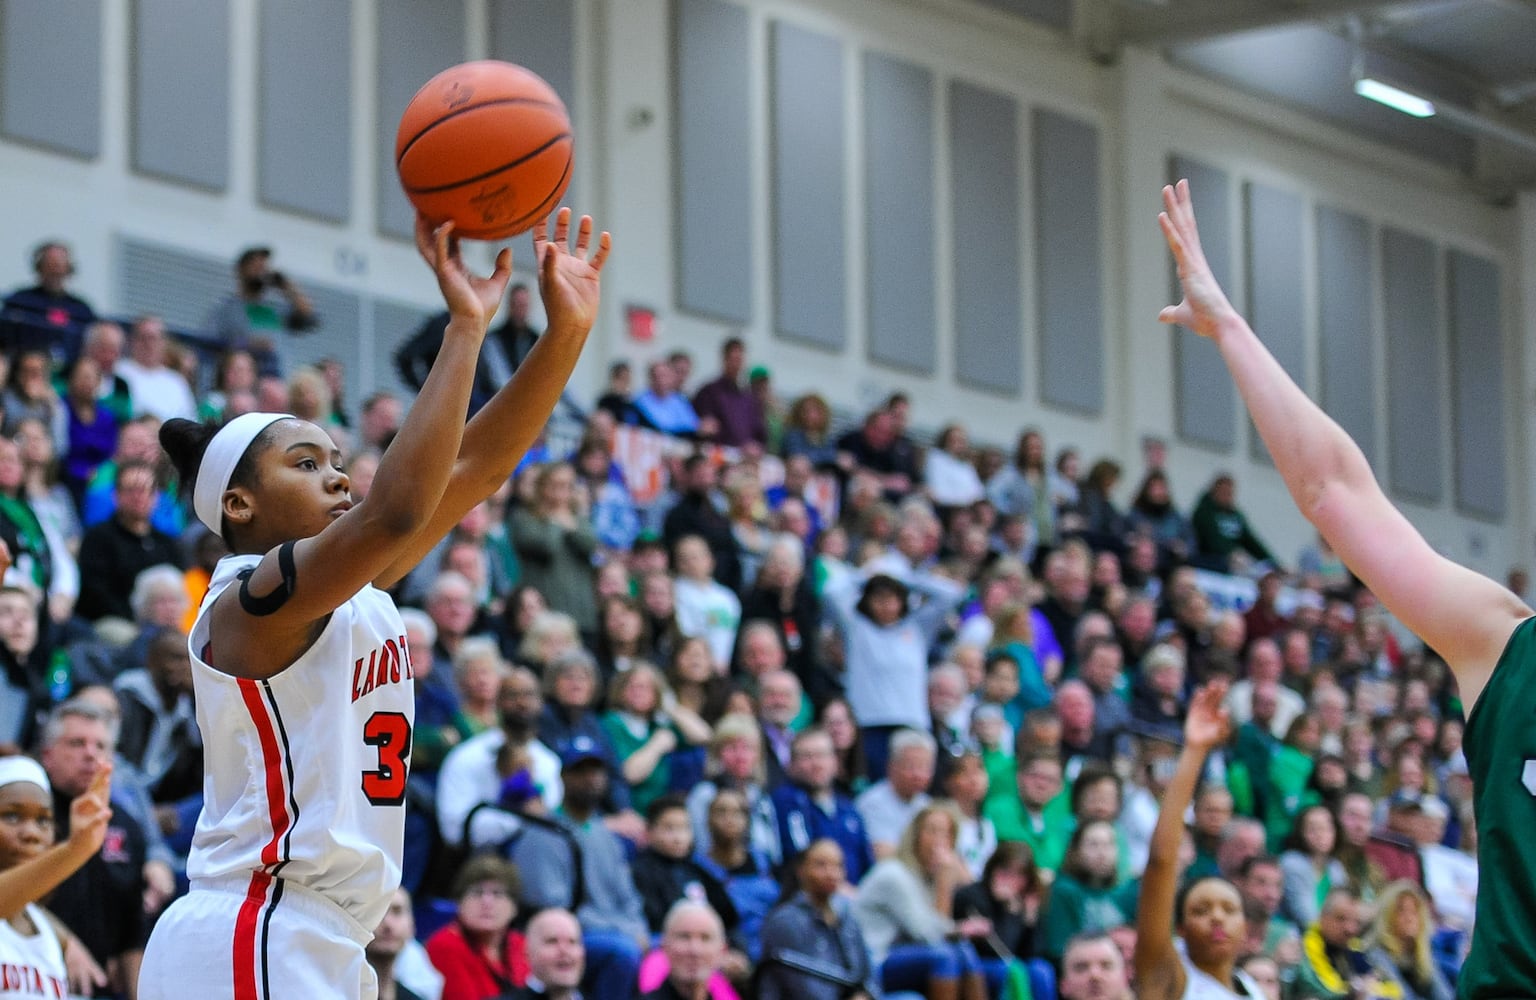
487,146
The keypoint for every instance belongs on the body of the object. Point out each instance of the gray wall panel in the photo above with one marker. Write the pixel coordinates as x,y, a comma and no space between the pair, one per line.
1477,384
1204,389
984,179
1068,255
714,168
1415,368
540,34
1346,319
178,122
1276,294
898,211
809,153
416,41
304,105
50,74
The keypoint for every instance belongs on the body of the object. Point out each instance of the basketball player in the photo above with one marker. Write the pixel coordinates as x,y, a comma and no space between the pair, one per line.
1209,912
299,658
32,865
1481,629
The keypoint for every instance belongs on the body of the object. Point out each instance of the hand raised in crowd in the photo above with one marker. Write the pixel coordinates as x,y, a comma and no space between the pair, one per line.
569,281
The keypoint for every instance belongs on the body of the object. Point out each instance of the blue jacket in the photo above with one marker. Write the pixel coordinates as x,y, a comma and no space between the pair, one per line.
802,821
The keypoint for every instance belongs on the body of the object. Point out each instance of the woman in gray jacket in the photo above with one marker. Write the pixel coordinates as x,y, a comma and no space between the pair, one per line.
906,904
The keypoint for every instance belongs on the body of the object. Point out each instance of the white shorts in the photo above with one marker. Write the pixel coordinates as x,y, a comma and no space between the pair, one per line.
257,938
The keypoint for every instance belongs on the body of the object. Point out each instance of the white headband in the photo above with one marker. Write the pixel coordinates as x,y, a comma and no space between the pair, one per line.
224,453
14,769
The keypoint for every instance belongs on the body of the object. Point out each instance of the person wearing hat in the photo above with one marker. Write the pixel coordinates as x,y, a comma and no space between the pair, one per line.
585,871
32,865
265,302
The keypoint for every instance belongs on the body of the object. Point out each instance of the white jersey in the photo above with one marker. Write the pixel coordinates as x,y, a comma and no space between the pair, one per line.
1199,986
31,967
304,773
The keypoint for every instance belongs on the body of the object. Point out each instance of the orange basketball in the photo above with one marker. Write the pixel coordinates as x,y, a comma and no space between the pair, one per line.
486,145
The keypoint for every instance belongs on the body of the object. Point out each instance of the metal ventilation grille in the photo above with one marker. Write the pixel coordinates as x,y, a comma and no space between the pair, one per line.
180,286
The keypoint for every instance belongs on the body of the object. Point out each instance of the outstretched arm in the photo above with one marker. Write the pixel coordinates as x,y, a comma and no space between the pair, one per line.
499,435
35,878
350,552
1159,973
1464,616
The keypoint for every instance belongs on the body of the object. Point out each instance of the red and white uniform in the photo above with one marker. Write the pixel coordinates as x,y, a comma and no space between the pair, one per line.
298,847
31,966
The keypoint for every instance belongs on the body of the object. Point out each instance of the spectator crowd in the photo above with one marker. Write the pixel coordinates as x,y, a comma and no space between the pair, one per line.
818,711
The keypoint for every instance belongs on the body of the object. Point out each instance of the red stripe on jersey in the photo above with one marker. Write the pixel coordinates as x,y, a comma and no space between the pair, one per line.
272,758
247,987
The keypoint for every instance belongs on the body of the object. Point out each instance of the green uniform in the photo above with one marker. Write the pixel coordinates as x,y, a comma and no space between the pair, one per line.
1500,746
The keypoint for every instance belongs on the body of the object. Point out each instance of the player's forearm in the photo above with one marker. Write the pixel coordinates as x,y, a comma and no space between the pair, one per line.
1310,450
1168,833
501,433
37,877
415,469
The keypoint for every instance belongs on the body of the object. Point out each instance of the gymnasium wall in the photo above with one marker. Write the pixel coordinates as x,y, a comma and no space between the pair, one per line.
934,195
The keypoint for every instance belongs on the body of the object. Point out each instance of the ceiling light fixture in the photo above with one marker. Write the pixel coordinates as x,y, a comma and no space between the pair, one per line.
1395,98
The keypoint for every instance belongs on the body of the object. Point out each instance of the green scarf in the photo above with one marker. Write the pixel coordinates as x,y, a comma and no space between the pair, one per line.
29,533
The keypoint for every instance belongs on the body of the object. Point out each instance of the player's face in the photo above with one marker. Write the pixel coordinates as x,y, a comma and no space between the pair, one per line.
26,823
301,481
1213,924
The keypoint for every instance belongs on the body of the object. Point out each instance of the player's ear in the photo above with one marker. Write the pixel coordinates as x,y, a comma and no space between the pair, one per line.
239,505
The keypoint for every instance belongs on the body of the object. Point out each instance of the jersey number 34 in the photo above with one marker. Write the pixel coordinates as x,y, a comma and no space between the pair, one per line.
390,732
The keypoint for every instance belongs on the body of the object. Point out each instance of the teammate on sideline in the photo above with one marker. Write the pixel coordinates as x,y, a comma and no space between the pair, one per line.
300,665
32,944
1483,631
1208,913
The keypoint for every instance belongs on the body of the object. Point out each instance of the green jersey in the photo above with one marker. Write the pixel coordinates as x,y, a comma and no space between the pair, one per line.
1500,746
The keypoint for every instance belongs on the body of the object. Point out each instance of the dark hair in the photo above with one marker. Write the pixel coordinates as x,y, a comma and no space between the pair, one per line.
1143,501
186,442
1296,840
670,802
731,343
1093,772
1011,853
487,868
882,583
1258,860
1001,655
